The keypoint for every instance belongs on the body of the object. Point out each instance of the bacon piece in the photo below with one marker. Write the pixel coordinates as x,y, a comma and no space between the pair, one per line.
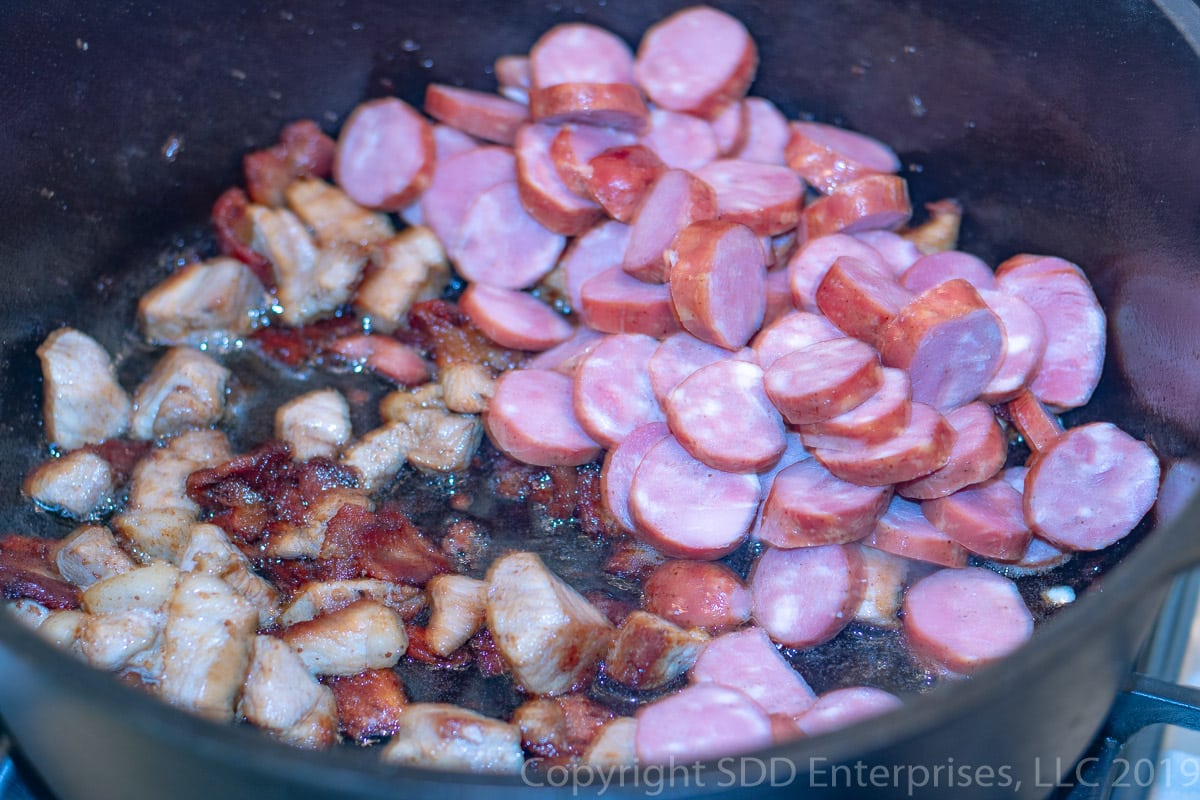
27,570
304,150
369,704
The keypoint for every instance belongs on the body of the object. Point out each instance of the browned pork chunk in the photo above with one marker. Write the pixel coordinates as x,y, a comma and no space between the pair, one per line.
209,551
322,597
84,403
211,302
447,737
185,390
281,696
363,635
78,484
90,554
649,652
459,609
408,268
333,216
314,424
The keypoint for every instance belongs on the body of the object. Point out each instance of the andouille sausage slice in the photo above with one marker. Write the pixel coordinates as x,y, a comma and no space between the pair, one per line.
808,266
573,149
686,509
680,140
961,619
616,302
828,157
674,201
877,202
578,52
721,416
531,419
718,282
385,154
697,594
589,254
985,518
697,60
949,341
513,73
879,418
897,252
766,198
731,127
700,722
1090,487
1075,327
804,597
928,271
458,181
514,319
766,134
779,294
481,114
565,357
791,332
542,191
500,244
616,476
841,708
678,356
904,531
823,380
1037,426
620,178
747,660
1024,345
608,105
808,506
860,299
612,388
922,447
980,448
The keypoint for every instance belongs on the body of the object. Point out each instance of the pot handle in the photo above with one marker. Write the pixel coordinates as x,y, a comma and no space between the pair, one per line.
1146,701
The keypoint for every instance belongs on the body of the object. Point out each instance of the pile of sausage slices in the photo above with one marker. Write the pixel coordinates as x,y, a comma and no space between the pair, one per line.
714,325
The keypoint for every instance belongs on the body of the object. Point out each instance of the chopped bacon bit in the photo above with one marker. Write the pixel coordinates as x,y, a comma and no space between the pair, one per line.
384,356
465,543
369,704
295,347
510,479
632,559
303,151
487,657
594,517
27,570
557,492
289,575
384,545
233,234
121,454
451,338
419,651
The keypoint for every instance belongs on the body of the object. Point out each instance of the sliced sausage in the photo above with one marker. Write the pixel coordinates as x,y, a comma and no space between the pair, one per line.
767,132
842,708
804,597
589,254
680,140
573,149
980,449
612,388
731,127
766,198
674,201
698,60
616,302
514,319
1024,345
565,357
677,357
897,252
808,506
579,52
385,154
1075,327
809,265
823,380
458,181
620,178
828,157
922,447
949,341
531,419
481,114
858,298
700,722
500,244
779,294
1037,426
542,191
880,417
616,476
928,271
686,509
607,105
961,619
697,594
718,282
877,202
904,531
514,74
1091,487
985,518
746,660
722,417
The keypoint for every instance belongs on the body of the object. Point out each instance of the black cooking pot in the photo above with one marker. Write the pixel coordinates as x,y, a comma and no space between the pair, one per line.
1070,128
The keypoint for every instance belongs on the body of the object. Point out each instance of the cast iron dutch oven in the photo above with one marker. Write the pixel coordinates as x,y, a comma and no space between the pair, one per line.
1070,128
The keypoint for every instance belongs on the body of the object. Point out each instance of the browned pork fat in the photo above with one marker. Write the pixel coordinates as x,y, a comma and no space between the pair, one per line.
649,652
448,737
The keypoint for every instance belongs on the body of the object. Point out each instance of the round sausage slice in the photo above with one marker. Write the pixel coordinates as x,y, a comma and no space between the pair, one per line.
616,476
767,132
961,619
686,509
808,506
542,191
791,332
928,271
827,156
986,519
588,255
607,105
823,380
573,149
859,298
501,245
1091,487
513,73
766,198
530,418
721,416
809,265
676,200
514,319
806,596
1024,346
718,282
871,203
980,449
731,127
923,446
904,531
881,417
841,708
578,52
678,356
385,154
698,60
747,660
612,388
616,302
700,722
697,594
565,357
620,178
681,140
897,252
481,114
458,182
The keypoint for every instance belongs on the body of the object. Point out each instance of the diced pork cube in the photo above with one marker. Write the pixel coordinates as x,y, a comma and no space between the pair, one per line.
63,628
314,424
78,484
208,550
110,641
380,454
447,737
211,302
613,746
146,588
649,652
409,268
186,389
885,579
363,635
90,554
322,597
458,609
466,388
83,402
282,697
333,216
442,441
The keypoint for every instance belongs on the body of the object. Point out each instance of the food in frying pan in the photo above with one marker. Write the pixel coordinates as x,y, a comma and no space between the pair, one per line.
654,399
